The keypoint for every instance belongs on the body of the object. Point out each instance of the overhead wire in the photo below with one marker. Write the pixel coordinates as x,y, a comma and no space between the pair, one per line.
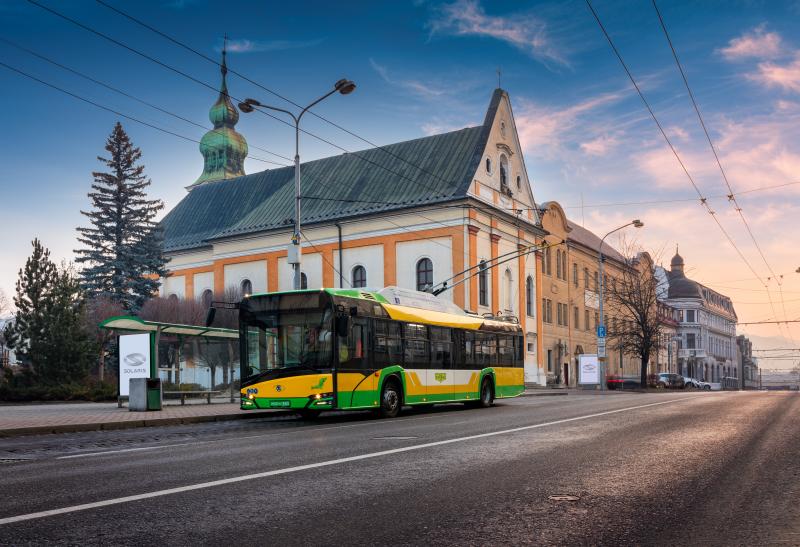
731,195
703,200
114,111
126,94
269,90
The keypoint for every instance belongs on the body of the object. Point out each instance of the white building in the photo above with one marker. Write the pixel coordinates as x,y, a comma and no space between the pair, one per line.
706,325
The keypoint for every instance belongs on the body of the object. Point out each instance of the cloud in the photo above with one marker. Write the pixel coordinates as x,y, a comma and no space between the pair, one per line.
523,31
786,76
414,86
600,146
754,44
243,45
545,131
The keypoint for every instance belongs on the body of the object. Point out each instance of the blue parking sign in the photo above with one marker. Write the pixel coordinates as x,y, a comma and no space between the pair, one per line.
601,331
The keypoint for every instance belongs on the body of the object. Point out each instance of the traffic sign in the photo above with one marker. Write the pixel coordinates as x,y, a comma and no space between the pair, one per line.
601,331
601,347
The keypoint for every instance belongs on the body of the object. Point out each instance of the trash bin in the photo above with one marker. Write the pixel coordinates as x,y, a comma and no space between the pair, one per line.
145,394
154,394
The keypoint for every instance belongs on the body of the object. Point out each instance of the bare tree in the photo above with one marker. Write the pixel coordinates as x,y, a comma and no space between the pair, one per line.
632,299
97,310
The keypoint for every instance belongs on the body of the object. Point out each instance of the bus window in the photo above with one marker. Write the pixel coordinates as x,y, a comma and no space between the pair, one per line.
354,349
415,346
485,350
388,344
505,350
441,347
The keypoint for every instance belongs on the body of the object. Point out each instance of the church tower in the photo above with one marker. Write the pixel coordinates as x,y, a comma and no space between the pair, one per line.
223,148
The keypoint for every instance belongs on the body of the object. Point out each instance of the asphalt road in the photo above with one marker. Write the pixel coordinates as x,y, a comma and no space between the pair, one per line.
666,468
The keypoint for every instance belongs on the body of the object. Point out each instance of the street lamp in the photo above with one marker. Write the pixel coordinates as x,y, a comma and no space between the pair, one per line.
343,86
636,223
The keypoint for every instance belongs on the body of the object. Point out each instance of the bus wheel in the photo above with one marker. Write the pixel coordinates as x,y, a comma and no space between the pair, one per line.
391,399
309,414
487,394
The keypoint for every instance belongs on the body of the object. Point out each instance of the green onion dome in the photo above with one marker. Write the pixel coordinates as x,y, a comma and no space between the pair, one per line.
223,148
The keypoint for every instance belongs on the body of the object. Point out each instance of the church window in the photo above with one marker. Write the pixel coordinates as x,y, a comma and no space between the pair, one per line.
206,298
424,274
246,287
303,280
519,182
503,173
359,277
509,291
488,166
529,296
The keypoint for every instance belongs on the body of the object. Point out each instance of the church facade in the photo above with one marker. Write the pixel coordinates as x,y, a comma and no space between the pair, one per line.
413,214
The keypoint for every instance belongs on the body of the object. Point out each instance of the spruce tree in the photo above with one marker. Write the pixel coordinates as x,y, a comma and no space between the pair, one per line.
122,256
26,334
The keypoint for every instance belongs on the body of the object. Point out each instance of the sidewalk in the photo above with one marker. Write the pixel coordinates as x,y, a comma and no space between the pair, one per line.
33,419
36,419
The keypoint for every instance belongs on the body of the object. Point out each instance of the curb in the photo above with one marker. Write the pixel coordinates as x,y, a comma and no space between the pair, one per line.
544,393
131,424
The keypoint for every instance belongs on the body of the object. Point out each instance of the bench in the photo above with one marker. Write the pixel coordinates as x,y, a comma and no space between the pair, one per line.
183,394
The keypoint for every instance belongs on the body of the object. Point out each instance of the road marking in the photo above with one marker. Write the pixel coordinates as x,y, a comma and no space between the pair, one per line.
286,470
286,432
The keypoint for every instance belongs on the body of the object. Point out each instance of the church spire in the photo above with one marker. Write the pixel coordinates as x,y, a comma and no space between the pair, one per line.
223,148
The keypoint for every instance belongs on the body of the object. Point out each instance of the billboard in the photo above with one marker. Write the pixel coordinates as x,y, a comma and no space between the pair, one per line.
134,360
588,369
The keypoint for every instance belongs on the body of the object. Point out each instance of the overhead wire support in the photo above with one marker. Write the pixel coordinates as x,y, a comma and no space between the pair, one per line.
703,200
731,195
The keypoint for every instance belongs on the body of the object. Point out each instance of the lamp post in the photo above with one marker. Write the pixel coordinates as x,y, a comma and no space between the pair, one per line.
638,224
343,86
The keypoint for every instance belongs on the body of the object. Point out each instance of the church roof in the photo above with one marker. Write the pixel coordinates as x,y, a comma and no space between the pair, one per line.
348,185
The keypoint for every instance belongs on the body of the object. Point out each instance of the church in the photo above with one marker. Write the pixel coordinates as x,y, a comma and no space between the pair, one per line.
412,214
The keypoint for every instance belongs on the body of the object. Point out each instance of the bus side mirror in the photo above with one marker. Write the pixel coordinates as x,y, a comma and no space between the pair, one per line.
212,312
342,323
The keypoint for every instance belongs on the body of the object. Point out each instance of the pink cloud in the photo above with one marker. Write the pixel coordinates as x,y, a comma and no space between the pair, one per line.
525,32
600,146
784,76
755,44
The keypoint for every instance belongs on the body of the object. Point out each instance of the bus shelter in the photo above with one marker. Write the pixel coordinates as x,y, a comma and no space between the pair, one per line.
189,359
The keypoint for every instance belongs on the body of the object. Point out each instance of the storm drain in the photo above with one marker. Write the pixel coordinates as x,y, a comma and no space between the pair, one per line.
563,497
393,438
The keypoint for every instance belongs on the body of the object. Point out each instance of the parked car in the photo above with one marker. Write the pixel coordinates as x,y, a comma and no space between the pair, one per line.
622,382
691,383
669,380
706,386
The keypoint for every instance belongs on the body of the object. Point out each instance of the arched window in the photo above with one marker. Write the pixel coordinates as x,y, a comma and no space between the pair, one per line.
359,277
173,297
206,298
489,166
424,274
246,287
564,265
483,284
509,291
519,182
529,307
574,274
303,280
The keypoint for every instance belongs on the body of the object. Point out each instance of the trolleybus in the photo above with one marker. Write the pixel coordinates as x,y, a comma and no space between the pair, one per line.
325,349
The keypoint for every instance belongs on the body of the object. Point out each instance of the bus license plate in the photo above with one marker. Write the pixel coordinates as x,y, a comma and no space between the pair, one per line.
280,404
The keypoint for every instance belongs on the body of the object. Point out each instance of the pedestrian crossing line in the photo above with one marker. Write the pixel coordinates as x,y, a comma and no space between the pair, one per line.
297,468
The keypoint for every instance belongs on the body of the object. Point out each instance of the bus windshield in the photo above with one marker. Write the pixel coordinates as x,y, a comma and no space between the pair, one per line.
281,340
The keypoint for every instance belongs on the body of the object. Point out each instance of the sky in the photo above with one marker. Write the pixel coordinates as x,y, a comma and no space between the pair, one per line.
428,67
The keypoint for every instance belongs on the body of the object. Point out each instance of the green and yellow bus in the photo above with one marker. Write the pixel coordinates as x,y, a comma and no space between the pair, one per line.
325,349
